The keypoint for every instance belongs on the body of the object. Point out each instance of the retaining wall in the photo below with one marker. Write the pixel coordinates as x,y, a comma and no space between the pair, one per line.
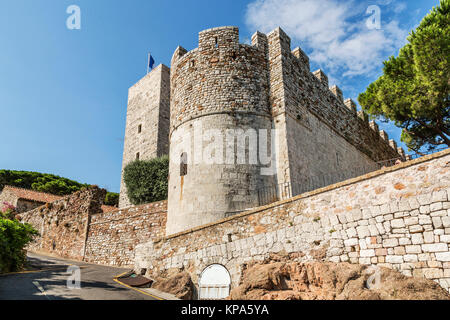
398,217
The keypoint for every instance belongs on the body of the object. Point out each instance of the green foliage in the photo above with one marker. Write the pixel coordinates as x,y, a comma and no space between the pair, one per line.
147,181
48,183
42,182
14,236
112,199
414,90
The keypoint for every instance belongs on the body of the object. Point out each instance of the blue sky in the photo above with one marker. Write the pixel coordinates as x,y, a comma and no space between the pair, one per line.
63,93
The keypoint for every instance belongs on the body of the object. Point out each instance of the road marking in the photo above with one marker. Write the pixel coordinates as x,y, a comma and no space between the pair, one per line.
40,288
140,291
37,271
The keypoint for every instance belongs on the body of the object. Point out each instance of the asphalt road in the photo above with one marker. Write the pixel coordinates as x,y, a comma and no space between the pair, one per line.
51,282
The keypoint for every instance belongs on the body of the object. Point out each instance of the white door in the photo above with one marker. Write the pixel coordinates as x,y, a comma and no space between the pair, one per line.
214,283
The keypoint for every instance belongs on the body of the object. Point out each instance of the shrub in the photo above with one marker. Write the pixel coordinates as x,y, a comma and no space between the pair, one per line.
14,236
147,181
112,199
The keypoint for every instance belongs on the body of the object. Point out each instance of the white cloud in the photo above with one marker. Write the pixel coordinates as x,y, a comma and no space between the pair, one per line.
399,7
333,32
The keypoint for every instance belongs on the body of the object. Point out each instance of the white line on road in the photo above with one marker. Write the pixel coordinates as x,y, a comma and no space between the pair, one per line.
40,288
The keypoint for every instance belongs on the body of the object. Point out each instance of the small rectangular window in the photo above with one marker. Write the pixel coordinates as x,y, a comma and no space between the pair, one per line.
183,165
140,128
138,156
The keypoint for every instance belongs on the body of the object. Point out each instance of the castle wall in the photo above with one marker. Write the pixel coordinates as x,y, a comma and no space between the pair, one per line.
324,136
27,205
148,110
8,197
75,227
62,224
221,85
212,191
113,236
398,217
320,157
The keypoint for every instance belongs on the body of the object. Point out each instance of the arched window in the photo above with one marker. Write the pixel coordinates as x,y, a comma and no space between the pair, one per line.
214,283
183,164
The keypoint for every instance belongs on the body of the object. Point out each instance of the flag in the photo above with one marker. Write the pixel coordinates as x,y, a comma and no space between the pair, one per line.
151,61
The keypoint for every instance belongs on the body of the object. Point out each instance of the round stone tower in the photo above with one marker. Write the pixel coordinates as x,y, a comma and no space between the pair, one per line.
219,120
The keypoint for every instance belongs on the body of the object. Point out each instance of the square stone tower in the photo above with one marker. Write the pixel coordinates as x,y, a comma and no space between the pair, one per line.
147,124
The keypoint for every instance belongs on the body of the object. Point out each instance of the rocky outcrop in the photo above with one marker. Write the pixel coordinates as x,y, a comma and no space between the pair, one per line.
179,284
331,281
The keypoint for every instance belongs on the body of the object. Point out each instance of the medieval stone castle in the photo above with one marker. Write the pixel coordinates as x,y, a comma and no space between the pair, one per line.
214,221
225,85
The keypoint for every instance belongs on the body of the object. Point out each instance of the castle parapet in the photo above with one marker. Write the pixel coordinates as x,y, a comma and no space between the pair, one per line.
337,92
322,77
279,41
301,55
393,144
402,153
384,136
374,126
351,105
363,116
259,40
179,52
218,38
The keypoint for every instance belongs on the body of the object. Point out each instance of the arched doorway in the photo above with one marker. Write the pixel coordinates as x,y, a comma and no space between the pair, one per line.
214,283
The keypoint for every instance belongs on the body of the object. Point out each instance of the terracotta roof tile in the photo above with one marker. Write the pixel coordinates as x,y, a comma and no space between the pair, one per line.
32,195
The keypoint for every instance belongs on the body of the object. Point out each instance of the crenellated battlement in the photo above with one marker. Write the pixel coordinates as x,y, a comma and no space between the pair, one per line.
337,93
351,105
322,77
221,37
270,64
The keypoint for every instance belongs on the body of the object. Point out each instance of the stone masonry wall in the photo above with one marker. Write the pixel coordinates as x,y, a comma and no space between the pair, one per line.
398,217
8,197
75,227
112,236
63,224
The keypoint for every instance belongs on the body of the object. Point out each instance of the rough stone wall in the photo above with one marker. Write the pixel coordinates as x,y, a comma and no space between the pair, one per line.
9,197
63,224
148,110
222,85
112,236
397,217
75,227
27,205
